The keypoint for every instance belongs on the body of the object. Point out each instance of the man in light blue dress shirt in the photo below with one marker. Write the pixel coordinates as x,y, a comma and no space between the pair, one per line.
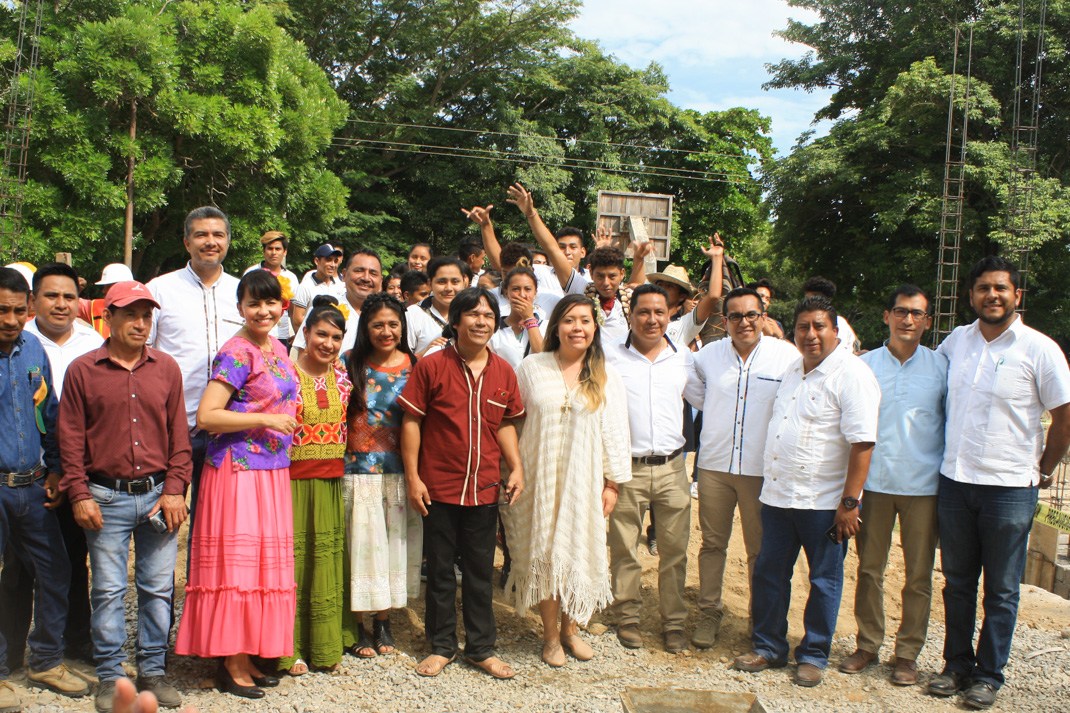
903,478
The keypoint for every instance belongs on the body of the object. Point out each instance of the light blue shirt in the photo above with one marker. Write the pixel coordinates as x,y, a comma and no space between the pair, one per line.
910,429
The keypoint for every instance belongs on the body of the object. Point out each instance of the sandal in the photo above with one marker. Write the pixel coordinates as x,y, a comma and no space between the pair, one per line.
430,669
384,640
300,668
494,666
363,649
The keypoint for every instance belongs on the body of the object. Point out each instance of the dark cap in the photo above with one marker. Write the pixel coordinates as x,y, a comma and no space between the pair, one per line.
327,250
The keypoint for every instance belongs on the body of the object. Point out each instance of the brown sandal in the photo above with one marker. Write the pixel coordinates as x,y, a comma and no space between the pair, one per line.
434,668
493,666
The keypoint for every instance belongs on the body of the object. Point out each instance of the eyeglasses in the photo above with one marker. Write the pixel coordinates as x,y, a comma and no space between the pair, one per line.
902,312
737,317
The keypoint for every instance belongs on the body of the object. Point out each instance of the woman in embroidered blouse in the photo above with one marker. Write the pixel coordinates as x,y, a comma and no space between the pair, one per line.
386,534
240,592
316,466
575,450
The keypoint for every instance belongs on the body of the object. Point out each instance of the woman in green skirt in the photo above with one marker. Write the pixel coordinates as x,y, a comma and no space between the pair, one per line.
316,469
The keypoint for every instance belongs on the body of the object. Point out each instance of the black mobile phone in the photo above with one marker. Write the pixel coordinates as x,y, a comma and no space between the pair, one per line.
833,535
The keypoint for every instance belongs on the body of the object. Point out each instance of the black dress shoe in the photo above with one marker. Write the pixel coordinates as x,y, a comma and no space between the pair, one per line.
980,696
226,684
266,681
948,683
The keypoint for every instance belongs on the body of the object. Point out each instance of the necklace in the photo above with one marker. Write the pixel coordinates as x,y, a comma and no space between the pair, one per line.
566,407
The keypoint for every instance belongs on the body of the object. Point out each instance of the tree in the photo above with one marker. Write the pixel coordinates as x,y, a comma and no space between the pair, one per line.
228,109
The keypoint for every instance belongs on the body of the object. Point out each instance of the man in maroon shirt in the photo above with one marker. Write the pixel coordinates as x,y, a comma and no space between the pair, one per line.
463,399
126,463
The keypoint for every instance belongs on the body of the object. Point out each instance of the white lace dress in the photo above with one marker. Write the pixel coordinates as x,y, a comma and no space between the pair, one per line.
556,532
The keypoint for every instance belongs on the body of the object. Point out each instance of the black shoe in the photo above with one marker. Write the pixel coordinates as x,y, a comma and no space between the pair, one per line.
225,683
948,683
382,637
266,681
980,696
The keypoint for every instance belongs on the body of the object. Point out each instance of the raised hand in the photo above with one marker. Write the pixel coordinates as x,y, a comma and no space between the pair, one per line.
521,198
716,248
602,237
641,250
479,215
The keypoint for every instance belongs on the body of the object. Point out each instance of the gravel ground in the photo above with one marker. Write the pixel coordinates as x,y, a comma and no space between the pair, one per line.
1038,674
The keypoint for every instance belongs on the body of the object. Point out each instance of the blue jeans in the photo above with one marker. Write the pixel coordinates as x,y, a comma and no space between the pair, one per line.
154,568
34,534
983,528
784,531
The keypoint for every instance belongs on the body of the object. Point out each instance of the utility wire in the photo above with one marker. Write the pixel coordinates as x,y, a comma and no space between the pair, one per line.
563,165
552,138
700,173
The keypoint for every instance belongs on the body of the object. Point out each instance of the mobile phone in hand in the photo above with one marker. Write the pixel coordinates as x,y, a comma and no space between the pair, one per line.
158,522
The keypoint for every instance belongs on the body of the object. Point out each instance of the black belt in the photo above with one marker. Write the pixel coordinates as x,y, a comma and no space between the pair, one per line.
133,486
656,460
17,480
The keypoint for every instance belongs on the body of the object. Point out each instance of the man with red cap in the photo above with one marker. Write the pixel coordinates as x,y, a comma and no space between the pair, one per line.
126,464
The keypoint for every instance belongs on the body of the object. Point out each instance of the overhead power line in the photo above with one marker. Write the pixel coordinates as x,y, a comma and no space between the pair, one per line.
399,125
542,160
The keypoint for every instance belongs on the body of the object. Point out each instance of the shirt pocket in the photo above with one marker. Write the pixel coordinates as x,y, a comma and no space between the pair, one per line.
494,406
762,388
1012,381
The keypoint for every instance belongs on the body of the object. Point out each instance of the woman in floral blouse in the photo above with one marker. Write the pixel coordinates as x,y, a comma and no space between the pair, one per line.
240,595
385,534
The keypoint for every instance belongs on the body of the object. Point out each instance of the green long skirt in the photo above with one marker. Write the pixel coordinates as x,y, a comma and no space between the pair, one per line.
319,568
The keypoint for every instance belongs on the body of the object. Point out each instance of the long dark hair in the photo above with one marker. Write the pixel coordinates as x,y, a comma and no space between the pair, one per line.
357,362
593,374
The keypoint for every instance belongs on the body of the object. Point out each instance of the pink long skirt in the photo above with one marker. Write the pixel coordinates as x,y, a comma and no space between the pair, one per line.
241,593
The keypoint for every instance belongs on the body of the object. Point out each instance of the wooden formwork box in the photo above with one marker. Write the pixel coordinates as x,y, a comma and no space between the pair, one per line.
619,211
1042,555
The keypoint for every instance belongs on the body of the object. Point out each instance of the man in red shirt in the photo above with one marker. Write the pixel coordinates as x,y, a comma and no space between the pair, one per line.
466,397
126,463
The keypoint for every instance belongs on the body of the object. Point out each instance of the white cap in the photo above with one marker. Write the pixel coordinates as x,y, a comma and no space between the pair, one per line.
25,269
115,272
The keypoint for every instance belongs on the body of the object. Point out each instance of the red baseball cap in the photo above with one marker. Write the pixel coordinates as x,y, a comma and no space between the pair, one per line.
126,293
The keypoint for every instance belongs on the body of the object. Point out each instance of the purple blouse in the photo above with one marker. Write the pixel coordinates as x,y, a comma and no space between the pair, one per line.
264,383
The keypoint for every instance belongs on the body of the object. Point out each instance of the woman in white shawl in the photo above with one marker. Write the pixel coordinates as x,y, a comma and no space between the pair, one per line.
575,450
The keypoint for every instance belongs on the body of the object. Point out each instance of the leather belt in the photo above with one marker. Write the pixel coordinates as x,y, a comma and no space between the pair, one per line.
18,480
133,486
656,460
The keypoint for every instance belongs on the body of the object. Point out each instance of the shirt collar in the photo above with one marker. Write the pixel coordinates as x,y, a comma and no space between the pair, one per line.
197,278
628,341
100,354
831,362
17,347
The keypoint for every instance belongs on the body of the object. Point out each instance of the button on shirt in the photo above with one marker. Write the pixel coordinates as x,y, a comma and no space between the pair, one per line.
192,323
24,373
997,392
82,340
459,453
816,418
910,430
739,396
124,423
655,394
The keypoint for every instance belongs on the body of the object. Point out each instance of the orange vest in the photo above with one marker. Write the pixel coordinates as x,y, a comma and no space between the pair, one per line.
96,318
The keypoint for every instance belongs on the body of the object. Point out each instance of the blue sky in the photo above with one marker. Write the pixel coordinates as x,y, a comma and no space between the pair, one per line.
714,53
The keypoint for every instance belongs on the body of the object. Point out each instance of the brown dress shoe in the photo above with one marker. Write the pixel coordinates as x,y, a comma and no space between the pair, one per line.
905,672
629,637
808,675
857,662
755,662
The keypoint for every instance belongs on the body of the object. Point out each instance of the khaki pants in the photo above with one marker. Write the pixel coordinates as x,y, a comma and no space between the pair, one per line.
918,534
665,489
718,495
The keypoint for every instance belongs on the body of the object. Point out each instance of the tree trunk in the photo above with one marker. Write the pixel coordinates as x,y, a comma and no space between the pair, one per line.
128,228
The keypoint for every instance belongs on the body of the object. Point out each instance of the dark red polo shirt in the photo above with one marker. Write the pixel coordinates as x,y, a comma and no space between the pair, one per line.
459,452
123,423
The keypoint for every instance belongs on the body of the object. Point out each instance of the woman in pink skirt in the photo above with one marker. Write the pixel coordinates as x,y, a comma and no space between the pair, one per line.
240,595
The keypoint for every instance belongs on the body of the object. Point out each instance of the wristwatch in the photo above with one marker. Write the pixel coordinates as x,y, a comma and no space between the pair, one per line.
849,503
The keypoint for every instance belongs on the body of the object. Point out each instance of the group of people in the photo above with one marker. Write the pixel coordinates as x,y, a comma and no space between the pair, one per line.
332,438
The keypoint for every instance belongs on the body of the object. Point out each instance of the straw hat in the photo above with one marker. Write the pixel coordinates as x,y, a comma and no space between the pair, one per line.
673,274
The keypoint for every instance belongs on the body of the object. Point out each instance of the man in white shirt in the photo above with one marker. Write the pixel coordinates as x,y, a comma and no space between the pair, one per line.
736,381
362,276
1002,376
276,246
654,371
198,313
817,454
823,287
324,280
54,303
902,482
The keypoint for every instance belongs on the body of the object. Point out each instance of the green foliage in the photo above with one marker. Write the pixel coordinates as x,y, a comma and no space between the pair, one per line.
229,111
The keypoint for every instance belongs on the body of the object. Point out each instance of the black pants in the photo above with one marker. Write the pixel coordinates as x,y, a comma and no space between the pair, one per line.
16,596
468,532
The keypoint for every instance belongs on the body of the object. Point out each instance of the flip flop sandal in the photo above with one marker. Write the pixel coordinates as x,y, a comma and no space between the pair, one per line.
494,667
382,637
432,672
